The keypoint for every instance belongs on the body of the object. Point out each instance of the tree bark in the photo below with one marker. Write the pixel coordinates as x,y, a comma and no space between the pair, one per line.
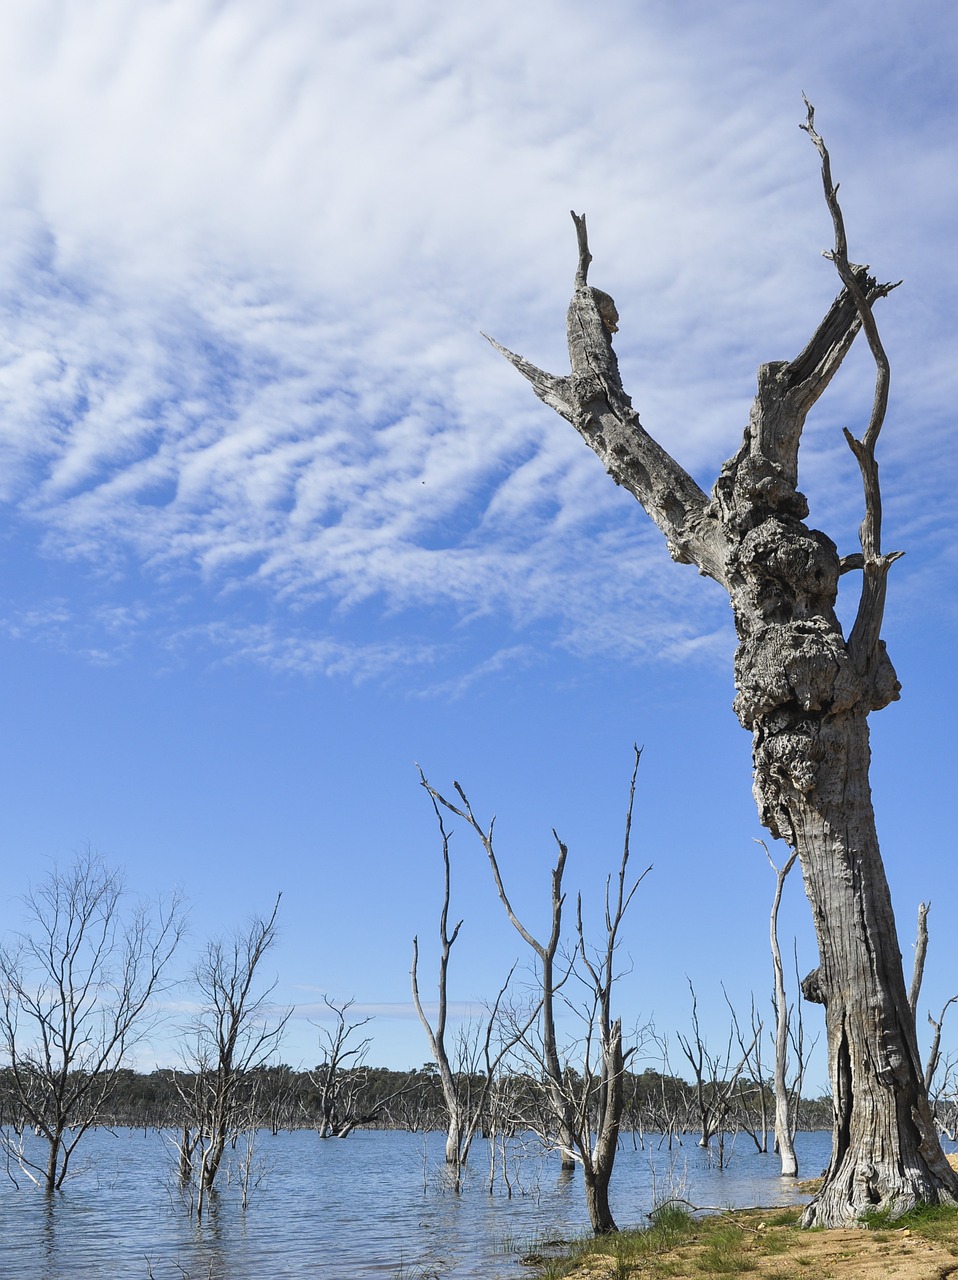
597,1204
885,1147
804,691
599,1163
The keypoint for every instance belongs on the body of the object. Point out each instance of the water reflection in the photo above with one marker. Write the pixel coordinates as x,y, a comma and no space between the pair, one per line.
372,1206
48,1227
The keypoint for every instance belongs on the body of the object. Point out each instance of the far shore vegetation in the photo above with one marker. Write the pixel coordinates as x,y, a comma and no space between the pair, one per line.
283,1098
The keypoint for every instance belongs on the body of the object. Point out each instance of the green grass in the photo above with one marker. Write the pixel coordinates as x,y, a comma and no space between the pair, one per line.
933,1221
531,1250
786,1218
676,1243
723,1253
671,1217
648,1249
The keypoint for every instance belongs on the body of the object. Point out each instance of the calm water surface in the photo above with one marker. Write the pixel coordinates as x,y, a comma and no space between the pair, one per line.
375,1205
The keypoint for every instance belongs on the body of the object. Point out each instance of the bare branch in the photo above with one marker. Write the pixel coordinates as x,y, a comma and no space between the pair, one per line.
76,991
585,257
921,951
235,1033
546,952
864,640
550,389
934,1054
594,401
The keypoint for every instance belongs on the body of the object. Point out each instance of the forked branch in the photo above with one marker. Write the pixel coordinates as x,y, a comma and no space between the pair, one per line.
593,399
863,642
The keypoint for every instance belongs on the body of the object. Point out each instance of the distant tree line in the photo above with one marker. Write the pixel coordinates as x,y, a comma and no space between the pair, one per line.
656,1106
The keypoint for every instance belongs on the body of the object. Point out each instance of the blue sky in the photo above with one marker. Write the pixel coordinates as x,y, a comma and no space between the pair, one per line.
277,523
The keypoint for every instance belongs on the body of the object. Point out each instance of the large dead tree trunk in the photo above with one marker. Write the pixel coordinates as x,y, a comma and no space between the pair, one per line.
804,691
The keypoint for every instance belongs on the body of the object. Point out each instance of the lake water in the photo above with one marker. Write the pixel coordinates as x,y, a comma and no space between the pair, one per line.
375,1205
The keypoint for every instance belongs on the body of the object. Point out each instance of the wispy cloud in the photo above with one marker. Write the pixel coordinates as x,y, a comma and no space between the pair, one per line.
246,256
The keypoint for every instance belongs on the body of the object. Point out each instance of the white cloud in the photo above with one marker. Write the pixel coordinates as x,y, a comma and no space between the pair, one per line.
246,254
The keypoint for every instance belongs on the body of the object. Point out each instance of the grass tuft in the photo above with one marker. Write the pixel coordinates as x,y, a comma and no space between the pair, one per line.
733,1244
671,1217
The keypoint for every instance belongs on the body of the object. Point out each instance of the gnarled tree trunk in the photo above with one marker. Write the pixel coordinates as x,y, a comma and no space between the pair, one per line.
804,692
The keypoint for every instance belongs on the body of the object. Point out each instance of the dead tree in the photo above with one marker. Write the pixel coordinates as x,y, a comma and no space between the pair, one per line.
584,1105
934,1052
940,1079
436,1035
752,1110
804,690
235,1033
464,1090
716,1080
593,1092
75,995
339,1078
596,1142
784,1112
545,953
914,991
921,952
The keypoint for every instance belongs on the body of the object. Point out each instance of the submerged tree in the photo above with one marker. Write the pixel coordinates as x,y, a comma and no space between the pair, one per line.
597,1141
466,1069
804,690
584,1104
341,1080
76,993
546,953
234,1034
717,1083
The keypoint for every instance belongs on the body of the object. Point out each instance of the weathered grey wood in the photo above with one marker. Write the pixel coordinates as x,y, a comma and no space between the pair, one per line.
784,1133
804,691
586,1104
598,1158
437,1035
465,1107
546,953
921,951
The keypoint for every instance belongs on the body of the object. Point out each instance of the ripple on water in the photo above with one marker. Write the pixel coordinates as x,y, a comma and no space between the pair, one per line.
374,1205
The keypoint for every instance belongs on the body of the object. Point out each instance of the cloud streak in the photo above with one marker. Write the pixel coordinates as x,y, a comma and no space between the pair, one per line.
246,256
